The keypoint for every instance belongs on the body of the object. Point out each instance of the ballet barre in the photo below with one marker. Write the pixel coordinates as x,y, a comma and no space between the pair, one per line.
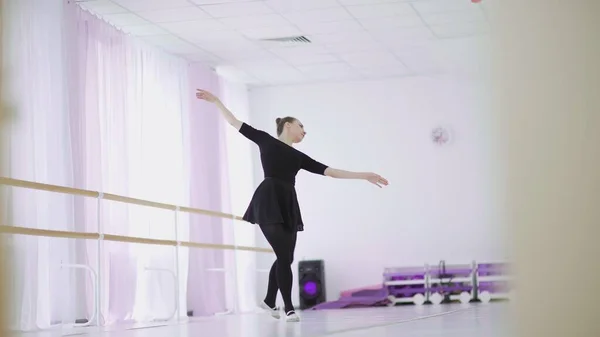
113,197
49,233
100,236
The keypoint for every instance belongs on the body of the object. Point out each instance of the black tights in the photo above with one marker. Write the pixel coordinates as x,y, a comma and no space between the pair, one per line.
283,242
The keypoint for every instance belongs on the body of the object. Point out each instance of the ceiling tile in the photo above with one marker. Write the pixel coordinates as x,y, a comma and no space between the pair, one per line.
226,40
213,2
270,44
366,58
301,50
102,7
350,40
350,47
144,30
465,45
286,6
270,32
326,69
380,10
299,60
262,63
329,27
302,55
319,15
453,17
235,74
338,38
421,61
400,35
279,75
392,22
266,69
172,44
329,71
148,5
203,57
271,70
384,72
408,46
174,14
217,36
125,19
232,46
460,29
441,6
237,9
191,27
368,2
241,22
233,56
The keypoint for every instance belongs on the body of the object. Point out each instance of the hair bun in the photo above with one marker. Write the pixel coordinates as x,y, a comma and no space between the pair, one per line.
277,120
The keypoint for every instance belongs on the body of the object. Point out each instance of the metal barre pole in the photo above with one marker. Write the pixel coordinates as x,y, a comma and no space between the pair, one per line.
99,261
177,274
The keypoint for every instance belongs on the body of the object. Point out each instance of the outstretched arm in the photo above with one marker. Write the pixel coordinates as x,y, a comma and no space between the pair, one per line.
316,167
373,178
249,132
228,115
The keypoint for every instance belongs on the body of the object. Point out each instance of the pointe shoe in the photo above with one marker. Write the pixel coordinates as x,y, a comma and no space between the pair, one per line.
273,311
291,316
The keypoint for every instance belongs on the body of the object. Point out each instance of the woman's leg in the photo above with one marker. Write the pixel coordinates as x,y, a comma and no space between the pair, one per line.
271,297
283,242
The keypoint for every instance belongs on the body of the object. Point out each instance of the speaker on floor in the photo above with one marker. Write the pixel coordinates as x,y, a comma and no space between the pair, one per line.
311,276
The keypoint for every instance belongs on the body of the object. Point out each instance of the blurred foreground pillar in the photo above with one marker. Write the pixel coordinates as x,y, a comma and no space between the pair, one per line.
547,106
3,259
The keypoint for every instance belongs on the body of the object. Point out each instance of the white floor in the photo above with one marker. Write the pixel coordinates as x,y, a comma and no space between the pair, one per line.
489,320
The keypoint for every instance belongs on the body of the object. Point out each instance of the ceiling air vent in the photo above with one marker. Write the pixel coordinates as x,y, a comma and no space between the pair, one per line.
289,39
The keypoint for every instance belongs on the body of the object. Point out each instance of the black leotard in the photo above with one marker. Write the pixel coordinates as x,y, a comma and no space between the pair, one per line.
278,159
275,200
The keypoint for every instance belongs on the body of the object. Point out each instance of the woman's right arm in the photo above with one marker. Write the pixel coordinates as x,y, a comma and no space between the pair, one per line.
228,115
257,136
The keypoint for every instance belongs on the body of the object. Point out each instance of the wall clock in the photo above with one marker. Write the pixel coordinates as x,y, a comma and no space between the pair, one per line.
441,135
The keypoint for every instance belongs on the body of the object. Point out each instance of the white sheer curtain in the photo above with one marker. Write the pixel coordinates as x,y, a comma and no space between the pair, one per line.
95,110
135,103
38,143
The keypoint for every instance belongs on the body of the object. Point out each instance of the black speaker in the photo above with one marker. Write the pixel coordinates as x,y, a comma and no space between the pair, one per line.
311,276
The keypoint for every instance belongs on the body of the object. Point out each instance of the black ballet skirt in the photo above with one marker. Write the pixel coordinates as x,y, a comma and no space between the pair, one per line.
275,200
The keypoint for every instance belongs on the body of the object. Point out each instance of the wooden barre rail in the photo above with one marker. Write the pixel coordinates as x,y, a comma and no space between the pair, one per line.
110,237
119,238
108,196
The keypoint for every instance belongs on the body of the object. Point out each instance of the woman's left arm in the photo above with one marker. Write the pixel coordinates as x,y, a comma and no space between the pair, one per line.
316,167
371,177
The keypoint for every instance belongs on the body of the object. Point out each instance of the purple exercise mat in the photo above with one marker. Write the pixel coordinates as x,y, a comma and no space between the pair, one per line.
359,299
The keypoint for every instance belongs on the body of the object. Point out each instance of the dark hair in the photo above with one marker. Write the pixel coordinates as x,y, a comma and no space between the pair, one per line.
281,123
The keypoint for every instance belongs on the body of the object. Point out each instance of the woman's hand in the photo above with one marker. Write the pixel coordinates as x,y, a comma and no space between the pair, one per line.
376,179
229,117
207,96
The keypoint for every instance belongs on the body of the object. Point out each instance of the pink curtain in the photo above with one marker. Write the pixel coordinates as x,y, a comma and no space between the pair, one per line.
206,288
99,110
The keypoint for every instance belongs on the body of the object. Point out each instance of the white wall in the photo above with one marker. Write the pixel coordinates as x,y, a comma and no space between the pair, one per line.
439,204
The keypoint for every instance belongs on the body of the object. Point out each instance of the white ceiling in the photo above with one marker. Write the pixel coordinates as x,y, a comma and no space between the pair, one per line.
351,39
